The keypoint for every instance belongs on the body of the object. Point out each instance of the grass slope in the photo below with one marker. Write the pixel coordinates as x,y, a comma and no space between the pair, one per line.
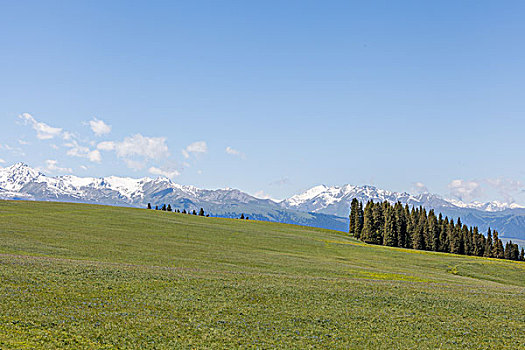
94,277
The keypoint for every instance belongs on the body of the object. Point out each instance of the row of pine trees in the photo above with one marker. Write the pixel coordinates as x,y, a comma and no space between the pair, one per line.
400,226
165,207
168,208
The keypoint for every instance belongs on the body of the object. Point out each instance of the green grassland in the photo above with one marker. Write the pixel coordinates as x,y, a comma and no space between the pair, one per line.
76,276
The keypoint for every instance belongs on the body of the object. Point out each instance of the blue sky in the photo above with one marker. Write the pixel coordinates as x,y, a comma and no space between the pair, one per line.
270,97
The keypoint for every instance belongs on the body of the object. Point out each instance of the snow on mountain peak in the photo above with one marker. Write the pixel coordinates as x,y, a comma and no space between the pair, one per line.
336,200
20,180
126,186
306,195
492,206
13,178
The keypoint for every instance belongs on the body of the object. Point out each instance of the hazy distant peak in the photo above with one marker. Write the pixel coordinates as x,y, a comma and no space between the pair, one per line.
335,200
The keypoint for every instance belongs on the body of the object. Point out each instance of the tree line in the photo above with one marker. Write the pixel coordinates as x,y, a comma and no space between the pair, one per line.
401,226
165,207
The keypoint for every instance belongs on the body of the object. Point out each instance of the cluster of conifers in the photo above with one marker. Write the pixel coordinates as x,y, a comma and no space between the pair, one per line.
165,207
168,208
401,226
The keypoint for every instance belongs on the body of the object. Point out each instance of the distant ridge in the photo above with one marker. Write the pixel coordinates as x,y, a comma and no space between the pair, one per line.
320,206
20,181
335,200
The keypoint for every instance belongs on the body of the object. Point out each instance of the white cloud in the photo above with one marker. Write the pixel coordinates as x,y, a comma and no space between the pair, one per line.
22,142
135,164
52,165
195,148
2,161
94,156
66,135
15,150
234,152
106,146
507,188
163,172
43,131
83,167
138,145
419,187
99,127
465,190
281,182
262,195
137,149
76,150
473,189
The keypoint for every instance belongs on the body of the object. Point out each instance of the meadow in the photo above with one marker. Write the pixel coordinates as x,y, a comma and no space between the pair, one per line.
76,276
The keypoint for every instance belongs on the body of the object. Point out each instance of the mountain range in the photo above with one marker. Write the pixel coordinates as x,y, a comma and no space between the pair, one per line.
320,206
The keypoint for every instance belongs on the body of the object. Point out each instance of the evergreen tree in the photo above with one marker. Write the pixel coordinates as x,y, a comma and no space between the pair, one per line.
482,242
163,207
456,244
149,205
522,254
379,223
444,244
411,216
468,243
194,212
183,211
508,248
201,212
498,250
353,217
401,225
501,250
242,216
487,252
419,233
433,231
389,230
495,239
156,207
367,233
478,243
464,249
360,219
514,252
169,207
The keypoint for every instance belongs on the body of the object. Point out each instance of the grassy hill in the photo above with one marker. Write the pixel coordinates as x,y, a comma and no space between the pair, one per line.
93,277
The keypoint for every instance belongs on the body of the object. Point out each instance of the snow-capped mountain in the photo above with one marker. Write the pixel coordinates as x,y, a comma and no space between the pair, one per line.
320,206
22,182
492,206
336,200
508,219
